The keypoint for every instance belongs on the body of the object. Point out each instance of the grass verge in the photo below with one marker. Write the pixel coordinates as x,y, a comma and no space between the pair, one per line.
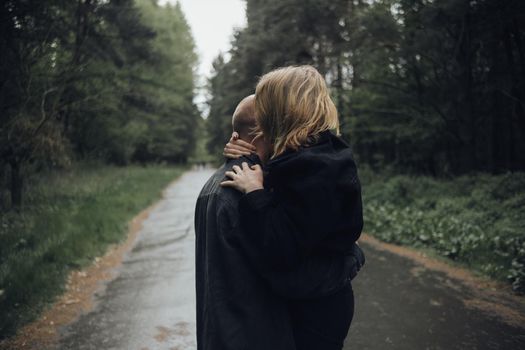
68,219
476,220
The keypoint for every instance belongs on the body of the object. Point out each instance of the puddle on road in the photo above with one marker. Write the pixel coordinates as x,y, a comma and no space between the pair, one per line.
179,336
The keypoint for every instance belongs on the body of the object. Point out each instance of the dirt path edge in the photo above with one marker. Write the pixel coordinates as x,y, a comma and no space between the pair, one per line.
489,296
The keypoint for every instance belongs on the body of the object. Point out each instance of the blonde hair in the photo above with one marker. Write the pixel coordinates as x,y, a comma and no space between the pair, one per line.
292,105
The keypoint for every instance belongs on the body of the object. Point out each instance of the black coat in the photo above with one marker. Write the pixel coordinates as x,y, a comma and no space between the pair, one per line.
241,299
236,309
311,205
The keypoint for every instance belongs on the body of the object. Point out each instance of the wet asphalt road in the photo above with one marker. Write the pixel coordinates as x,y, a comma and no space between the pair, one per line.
401,305
151,303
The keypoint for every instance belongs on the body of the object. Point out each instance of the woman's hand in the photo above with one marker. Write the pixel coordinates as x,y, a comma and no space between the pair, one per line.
245,179
236,148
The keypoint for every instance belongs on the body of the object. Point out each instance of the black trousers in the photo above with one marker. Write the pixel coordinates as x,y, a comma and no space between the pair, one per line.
323,324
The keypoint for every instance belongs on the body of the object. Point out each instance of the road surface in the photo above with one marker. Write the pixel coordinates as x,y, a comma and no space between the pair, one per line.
404,306
151,303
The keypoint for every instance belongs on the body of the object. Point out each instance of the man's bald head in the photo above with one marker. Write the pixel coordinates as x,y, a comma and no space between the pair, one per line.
243,120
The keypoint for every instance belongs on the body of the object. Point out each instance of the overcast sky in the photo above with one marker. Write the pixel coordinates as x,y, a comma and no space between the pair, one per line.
212,23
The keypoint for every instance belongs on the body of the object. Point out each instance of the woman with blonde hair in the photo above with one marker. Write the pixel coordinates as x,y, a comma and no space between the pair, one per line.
308,201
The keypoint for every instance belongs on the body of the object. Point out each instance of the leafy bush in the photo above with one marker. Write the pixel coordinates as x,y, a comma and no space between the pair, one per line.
476,220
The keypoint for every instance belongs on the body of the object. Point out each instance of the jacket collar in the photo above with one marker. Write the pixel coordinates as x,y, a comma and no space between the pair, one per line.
321,138
253,158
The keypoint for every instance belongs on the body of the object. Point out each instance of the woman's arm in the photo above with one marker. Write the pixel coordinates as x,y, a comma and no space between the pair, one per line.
269,227
265,225
288,226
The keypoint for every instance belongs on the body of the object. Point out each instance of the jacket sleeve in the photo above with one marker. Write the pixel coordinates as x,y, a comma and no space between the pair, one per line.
313,277
320,209
288,229
268,226
278,248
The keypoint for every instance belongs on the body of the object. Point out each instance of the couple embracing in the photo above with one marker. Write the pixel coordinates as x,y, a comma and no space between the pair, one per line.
276,226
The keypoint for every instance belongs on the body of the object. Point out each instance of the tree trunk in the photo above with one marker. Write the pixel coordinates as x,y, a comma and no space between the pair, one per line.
338,84
84,7
17,184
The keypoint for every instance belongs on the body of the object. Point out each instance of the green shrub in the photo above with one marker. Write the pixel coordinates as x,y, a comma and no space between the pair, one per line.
476,220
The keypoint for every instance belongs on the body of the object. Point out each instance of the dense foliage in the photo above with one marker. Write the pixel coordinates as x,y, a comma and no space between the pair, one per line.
435,87
110,80
473,219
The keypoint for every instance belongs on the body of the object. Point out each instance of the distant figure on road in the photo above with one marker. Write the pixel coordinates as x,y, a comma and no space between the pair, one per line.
309,202
243,296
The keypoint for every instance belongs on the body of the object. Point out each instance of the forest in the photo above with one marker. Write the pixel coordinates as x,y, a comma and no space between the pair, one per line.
110,81
429,87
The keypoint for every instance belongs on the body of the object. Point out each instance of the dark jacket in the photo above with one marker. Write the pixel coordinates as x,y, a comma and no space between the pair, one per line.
311,204
236,309
241,301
